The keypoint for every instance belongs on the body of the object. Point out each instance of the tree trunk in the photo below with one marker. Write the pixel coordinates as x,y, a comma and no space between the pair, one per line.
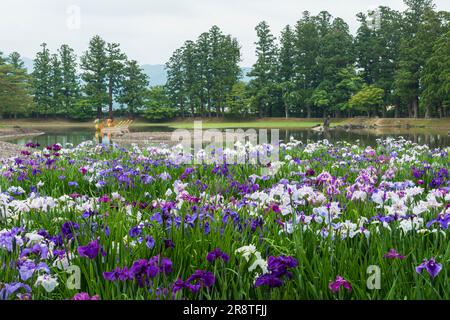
397,111
202,107
286,111
308,110
182,108
337,114
99,112
427,112
415,107
110,88
409,110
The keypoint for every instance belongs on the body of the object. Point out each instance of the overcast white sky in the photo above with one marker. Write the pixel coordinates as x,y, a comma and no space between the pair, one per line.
150,30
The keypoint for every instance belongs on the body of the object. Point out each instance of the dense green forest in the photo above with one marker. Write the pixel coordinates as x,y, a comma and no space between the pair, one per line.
396,65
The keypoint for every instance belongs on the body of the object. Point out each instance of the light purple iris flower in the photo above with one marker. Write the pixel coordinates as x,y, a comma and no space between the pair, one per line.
28,267
431,266
10,288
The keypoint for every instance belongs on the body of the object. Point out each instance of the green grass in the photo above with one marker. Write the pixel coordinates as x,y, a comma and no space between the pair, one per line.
213,123
250,124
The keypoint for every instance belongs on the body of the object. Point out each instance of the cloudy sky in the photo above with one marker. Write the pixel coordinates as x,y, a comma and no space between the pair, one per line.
150,30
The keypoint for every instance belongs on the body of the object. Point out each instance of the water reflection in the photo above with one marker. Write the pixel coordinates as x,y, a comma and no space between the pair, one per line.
364,137
368,137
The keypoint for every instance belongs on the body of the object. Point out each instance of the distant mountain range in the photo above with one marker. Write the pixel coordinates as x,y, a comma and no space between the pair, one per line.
156,72
28,63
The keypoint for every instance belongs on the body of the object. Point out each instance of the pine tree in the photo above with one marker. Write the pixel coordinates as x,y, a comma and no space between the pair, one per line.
133,87
70,87
230,69
201,74
115,60
190,75
429,32
42,87
15,60
436,78
94,64
335,54
411,60
286,71
203,83
175,81
56,83
264,70
15,98
305,61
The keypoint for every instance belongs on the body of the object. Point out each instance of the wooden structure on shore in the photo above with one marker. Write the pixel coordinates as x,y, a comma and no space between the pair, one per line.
119,128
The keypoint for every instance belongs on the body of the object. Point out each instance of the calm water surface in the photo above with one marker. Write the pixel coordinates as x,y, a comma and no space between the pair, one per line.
363,137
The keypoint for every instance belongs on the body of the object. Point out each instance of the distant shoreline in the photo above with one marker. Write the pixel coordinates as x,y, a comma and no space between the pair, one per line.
8,149
221,123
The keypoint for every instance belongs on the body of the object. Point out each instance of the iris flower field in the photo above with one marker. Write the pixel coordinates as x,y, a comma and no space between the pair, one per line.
326,221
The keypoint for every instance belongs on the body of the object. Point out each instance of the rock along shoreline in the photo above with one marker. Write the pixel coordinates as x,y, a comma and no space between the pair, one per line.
8,149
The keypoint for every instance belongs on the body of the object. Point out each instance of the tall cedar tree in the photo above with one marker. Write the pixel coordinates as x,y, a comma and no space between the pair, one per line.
94,64
264,69
15,98
115,60
70,86
133,87
42,81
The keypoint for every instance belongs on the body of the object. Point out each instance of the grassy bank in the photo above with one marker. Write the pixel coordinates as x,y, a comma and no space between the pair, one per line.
292,123
443,123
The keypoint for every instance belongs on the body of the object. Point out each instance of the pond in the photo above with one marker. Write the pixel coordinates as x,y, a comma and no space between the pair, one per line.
75,135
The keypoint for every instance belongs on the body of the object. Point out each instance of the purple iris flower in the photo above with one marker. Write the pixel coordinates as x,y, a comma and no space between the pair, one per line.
339,282
135,231
68,229
431,266
393,254
73,184
200,279
91,250
149,242
85,296
28,267
178,285
255,223
278,266
8,238
217,254
168,244
165,265
442,219
121,274
10,288
143,270
417,173
104,198
270,280
37,249
186,173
